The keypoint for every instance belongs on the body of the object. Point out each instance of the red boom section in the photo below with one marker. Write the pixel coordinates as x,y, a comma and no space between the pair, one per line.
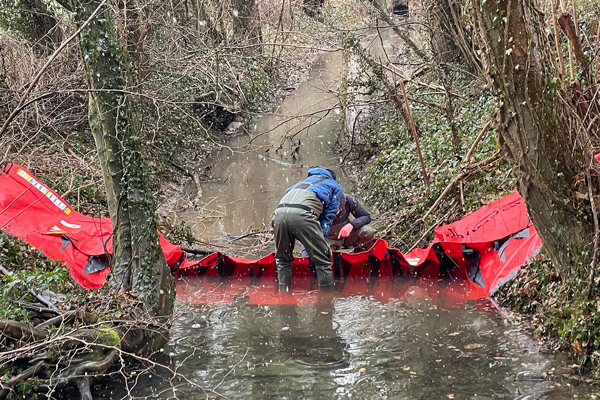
484,249
35,213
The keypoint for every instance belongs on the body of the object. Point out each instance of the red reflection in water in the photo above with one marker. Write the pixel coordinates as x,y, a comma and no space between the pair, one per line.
445,293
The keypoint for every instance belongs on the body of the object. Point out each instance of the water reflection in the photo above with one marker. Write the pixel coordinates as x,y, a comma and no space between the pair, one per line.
338,346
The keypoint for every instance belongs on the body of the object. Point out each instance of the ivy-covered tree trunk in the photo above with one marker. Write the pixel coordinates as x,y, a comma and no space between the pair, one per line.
538,129
138,264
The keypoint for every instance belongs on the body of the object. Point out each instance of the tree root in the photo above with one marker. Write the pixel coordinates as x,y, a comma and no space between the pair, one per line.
28,373
78,373
18,330
68,317
58,320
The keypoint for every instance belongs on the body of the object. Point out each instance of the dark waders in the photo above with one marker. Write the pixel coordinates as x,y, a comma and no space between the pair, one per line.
289,224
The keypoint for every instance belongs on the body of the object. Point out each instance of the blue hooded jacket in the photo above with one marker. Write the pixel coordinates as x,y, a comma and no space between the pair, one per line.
328,191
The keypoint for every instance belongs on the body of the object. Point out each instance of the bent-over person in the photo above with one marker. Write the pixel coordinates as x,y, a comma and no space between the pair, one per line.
305,213
356,233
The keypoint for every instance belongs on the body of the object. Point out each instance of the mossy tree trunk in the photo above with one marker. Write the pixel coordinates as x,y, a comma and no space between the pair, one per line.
138,264
538,131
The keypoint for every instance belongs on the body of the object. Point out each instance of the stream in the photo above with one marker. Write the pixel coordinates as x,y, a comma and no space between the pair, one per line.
421,342
250,177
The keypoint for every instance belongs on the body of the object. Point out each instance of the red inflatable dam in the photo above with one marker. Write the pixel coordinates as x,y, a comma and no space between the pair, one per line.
482,251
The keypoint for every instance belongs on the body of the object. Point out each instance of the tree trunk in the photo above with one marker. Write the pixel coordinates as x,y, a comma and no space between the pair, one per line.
537,131
246,24
138,264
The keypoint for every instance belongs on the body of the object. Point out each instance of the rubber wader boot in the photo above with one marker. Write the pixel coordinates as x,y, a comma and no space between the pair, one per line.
326,282
282,287
328,288
313,273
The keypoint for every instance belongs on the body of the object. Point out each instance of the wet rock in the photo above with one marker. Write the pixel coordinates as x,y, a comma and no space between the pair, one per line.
234,128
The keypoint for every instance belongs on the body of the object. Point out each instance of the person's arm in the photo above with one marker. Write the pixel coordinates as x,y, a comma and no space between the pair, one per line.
361,216
330,209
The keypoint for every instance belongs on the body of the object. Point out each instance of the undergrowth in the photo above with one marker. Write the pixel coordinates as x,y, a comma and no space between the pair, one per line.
30,273
392,181
556,308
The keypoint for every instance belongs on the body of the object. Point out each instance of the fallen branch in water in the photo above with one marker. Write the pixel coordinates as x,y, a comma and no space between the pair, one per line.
234,238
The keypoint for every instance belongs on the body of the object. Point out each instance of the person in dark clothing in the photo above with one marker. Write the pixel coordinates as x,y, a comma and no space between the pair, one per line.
356,233
306,213
350,234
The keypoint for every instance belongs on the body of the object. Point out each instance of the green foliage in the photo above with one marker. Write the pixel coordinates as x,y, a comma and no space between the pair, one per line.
31,270
78,189
24,389
556,306
259,85
393,179
32,18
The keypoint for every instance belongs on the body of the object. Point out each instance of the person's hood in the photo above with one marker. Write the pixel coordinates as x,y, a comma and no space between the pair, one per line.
319,171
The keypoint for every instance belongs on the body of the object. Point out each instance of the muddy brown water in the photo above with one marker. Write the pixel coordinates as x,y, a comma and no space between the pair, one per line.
250,177
418,344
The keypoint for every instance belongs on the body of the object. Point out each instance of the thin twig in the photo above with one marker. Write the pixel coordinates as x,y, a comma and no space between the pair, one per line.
596,229
427,232
458,177
557,37
231,370
4,271
479,137
414,131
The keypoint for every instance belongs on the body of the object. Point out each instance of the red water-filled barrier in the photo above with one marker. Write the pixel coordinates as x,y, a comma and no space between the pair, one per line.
35,213
483,250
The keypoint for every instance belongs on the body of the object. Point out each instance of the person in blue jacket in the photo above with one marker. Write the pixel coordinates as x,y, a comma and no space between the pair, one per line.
306,213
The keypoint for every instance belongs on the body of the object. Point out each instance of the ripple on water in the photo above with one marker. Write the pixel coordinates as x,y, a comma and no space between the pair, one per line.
354,347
